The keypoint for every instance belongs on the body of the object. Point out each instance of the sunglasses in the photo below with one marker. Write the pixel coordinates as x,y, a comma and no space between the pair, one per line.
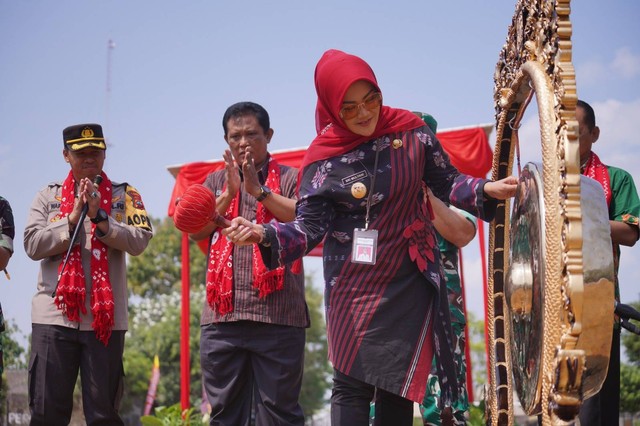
348,112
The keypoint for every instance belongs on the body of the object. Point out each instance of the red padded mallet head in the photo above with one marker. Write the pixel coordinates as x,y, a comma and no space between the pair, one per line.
195,209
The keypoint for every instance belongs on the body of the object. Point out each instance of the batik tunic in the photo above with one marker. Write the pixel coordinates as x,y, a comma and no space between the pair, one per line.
379,327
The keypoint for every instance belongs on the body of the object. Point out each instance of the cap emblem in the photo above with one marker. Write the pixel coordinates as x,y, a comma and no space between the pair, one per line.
87,132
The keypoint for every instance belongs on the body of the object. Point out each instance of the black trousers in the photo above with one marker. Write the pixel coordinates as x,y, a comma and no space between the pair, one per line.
250,365
57,354
604,407
351,399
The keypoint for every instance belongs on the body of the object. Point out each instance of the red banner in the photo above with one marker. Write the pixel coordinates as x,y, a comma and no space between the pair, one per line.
468,150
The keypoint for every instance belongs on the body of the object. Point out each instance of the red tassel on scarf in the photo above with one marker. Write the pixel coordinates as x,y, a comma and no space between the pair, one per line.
219,280
71,293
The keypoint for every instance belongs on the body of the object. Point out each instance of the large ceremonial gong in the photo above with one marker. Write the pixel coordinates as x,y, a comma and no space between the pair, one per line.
550,284
525,285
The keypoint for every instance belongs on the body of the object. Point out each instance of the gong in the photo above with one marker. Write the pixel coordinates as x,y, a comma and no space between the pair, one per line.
525,288
550,291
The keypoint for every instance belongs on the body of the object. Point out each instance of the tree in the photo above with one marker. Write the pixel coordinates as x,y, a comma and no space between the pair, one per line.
13,353
155,308
631,343
477,349
13,356
630,373
629,388
158,269
155,330
315,380
155,315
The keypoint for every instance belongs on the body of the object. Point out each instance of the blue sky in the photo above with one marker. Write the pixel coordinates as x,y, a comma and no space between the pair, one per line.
176,66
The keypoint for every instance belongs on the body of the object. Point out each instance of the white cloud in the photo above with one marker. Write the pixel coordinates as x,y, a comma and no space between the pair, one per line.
591,72
626,63
618,144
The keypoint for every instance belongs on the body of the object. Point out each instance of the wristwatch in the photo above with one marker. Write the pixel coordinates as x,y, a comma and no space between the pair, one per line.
264,193
101,216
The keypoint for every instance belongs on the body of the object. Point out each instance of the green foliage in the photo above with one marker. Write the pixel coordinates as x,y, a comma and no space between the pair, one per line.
14,355
477,414
155,318
173,416
629,389
158,269
315,379
477,349
631,342
154,328
630,373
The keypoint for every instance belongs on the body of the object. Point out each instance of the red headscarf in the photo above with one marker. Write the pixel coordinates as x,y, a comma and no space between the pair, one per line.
336,71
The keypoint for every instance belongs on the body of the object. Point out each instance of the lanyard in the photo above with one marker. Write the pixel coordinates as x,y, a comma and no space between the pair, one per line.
373,182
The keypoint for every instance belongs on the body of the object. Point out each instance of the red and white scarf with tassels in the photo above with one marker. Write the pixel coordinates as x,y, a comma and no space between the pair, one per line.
595,169
220,266
71,293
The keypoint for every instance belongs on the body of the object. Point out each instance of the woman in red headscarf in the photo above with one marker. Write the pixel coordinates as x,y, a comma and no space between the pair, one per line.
361,185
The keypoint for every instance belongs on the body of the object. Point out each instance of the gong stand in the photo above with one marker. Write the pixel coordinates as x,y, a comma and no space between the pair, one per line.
536,59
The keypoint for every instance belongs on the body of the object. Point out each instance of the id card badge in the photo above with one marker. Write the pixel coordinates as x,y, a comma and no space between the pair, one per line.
365,246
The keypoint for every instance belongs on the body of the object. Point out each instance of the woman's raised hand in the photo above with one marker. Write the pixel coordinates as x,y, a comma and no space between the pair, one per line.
243,232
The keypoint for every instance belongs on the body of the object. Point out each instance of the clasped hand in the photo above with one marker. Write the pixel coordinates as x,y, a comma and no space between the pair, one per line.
243,232
87,193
